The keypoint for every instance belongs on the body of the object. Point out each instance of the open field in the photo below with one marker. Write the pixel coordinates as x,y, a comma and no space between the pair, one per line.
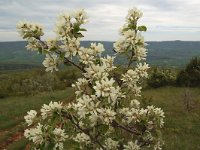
181,132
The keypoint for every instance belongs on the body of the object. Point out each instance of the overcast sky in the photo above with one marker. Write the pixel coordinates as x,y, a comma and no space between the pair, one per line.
165,19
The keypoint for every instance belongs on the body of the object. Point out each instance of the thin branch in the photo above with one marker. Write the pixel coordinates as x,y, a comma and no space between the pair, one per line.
130,61
58,52
66,60
86,131
116,124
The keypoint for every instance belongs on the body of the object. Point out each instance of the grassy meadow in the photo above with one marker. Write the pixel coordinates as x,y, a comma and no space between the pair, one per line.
181,131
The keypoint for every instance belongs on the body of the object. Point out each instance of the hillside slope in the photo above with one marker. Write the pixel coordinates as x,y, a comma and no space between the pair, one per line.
166,53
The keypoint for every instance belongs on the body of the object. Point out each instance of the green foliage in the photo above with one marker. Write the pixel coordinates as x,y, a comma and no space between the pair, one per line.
142,28
35,81
161,77
190,76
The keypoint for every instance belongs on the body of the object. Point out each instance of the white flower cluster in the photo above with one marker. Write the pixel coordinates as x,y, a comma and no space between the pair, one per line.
49,110
29,30
132,41
81,86
105,108
40,134
82,138
85,105
29,118
106,115
151,116
105,88
131,146
59,138
111,144
35,134
134,14
68,29
51,62
132,78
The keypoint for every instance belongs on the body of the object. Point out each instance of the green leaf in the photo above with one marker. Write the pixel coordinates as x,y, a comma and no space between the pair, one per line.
132,26
40,50
76,28
142,28
62,55
82,29
48,146
79,35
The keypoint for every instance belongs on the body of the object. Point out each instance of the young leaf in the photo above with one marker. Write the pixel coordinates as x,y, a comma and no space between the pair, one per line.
82,29
142,28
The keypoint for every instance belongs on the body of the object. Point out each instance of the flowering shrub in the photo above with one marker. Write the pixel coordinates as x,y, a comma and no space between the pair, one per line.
106,113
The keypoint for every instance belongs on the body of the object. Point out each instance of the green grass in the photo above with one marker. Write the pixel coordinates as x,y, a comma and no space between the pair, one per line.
13,109
182,127
181,131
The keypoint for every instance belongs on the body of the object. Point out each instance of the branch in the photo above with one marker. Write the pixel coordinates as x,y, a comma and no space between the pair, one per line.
116,124
66,60
86,131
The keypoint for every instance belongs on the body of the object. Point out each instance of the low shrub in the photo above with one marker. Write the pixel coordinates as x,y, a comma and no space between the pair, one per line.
35,81
190,75
161,77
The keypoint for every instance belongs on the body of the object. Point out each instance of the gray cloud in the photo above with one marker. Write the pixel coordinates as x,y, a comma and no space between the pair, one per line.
166,19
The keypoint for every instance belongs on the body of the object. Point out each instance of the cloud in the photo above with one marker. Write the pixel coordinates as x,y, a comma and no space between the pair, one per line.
165,19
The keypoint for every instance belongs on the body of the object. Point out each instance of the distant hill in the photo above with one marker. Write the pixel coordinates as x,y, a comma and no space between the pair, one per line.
13,55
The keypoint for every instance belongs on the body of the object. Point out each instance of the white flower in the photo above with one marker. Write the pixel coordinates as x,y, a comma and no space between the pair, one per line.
134,14
97,48
60,135
136,90
111,144
135,103
35,134
48,110
158,145
93,118
108,62
95,72
82,138
142,69
71,47
106,115
51,43
28,30
33,44
140,53
58,146
63,25
30,117
81,86
130,78
51,62
129,36
131,146
158,114
80,16
104,87
85,105
120,46
140,40
130,115
86,56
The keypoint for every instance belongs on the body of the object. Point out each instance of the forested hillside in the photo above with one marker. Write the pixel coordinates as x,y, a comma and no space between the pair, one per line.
13,55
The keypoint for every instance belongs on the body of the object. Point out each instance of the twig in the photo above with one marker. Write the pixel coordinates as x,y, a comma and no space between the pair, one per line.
86,131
